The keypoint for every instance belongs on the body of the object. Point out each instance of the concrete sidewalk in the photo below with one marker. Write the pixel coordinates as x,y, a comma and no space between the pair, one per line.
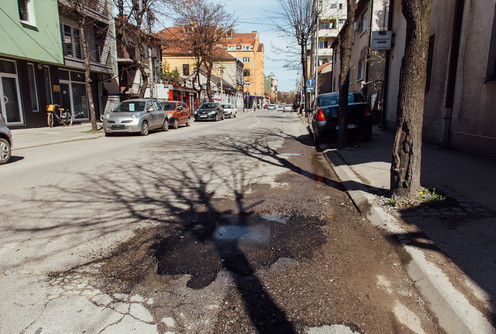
33,137
451,248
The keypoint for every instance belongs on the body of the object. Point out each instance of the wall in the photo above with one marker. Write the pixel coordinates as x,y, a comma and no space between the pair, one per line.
41,42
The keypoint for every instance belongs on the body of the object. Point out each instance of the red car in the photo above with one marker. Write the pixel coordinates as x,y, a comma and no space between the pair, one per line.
177,112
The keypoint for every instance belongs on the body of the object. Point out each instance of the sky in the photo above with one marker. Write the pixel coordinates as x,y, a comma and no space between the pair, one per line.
258,15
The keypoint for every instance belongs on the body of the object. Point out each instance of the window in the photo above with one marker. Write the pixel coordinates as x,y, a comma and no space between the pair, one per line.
323,44
26,11
231,48
246,73
48,85
491,63
362,24
72,42
246,59
186,69
326,24
247,47
33,88
361,70
429,62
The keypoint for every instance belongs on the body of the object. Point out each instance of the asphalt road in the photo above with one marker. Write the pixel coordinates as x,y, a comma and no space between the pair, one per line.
237,226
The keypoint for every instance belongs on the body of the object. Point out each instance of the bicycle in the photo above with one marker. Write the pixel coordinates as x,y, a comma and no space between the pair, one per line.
63,116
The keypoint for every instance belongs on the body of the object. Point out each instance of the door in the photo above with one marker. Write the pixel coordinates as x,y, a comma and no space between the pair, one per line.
9,100
74,98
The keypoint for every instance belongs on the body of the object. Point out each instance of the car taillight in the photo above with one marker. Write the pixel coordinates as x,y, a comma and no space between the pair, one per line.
366,111
320,115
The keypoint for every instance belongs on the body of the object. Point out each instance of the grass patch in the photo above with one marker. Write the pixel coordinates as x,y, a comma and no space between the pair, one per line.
426,197
94,131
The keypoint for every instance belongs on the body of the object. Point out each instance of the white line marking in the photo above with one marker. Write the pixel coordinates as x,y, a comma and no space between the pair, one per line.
258,122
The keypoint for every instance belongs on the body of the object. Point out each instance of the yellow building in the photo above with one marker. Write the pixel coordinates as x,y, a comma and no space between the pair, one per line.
227,71
247,48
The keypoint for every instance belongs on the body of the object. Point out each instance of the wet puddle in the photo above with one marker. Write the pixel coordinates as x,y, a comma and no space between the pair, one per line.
241,244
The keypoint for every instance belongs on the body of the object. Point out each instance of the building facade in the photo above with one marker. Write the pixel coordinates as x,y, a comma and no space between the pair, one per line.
42,60
246,47
460,96
460,99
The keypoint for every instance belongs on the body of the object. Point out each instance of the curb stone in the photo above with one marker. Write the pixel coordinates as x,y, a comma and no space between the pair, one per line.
454,312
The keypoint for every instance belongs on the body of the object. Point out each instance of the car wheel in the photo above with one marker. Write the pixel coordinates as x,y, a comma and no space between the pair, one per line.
234,115
175,124
108,134
5,150
316,139
165,126
145,130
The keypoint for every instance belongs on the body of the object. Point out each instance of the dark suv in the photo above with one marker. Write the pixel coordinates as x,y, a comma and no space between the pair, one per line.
5,141
325,116
209,111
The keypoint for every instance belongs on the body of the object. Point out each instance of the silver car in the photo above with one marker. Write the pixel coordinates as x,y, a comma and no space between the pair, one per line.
5,141
229,110
139,116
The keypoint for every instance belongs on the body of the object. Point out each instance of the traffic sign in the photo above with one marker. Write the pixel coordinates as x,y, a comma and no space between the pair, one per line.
310,82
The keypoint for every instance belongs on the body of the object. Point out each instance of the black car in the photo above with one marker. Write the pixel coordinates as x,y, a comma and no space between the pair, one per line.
209,111
325,117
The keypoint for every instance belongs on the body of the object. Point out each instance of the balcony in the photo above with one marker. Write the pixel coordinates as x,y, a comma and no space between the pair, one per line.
96,9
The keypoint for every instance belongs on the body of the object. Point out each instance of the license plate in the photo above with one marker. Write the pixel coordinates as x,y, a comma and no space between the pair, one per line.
118,127
203,116
350,126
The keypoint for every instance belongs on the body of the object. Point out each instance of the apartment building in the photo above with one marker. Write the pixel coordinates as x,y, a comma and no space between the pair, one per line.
41,59
247,48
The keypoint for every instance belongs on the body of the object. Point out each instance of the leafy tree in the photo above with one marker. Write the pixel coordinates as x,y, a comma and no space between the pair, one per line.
170,76
298,20
405,167
205,23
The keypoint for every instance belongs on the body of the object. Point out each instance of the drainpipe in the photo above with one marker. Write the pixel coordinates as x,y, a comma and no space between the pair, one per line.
452,71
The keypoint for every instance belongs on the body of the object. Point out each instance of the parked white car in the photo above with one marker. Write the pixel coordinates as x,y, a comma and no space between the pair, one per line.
229,110
140,115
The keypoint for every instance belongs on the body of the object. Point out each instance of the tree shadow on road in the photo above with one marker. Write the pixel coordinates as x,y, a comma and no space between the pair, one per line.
176,202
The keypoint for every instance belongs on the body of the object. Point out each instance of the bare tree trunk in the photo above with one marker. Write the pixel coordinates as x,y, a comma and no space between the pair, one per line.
345,46
144,82
405,167
304,68
87,73
208,68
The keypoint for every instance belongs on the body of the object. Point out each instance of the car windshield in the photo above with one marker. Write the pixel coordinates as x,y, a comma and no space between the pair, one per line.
226,106
333,99
131,106
168,105
207,106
